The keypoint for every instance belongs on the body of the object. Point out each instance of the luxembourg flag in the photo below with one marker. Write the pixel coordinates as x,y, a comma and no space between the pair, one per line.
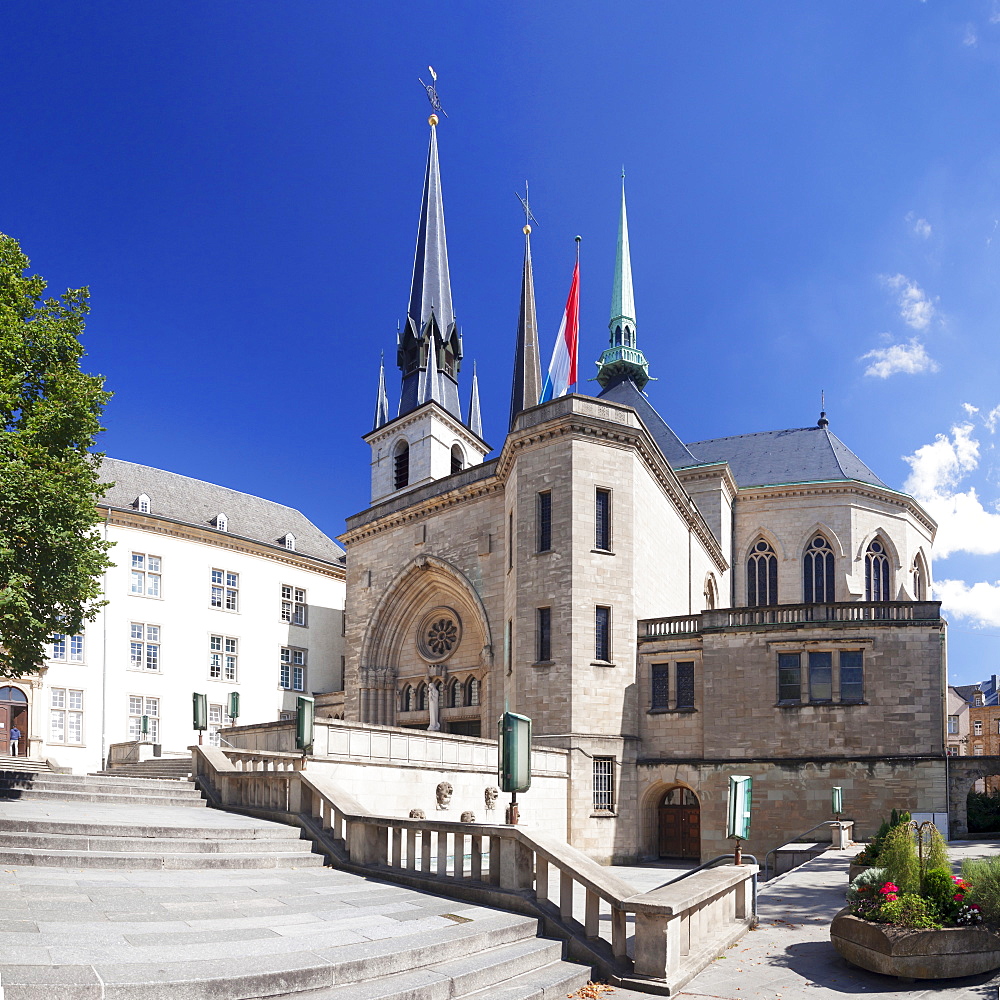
562,367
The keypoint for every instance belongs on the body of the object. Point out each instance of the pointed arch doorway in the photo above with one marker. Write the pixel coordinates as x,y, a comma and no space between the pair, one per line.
679,824
13,712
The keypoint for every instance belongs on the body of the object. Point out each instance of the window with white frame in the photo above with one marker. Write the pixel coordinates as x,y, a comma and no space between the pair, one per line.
66,716
139,706
225,589
66,648
604,784
952,724
223,653
144,646
215,713
977,728
293,668
293,605
145,575
142,503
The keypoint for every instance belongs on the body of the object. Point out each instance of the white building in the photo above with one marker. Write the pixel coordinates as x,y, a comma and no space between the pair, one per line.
211,591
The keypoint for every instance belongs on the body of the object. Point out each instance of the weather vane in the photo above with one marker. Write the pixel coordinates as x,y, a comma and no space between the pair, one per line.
528,217
432,94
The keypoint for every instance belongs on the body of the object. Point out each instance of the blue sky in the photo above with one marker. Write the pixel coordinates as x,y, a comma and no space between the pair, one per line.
813,205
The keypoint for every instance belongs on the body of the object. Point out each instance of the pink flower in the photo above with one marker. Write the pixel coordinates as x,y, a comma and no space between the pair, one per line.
958,897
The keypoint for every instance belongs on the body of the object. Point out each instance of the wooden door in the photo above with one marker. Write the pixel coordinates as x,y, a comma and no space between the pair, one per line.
4,729
680,832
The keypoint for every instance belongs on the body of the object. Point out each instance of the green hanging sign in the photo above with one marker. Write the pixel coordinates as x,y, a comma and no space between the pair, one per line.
305,715
200,711
234,705
514,737
837,800
738,813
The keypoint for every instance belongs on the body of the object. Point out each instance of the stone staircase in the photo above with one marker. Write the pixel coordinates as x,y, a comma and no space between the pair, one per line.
131,889
176,767
25,765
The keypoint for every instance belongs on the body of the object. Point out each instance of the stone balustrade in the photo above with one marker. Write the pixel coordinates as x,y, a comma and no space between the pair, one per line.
678,928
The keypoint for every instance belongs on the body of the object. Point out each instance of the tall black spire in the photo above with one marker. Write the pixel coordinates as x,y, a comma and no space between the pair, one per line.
430,320
527,383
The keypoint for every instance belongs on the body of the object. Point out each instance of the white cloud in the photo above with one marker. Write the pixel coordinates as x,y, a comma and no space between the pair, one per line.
970,409
991,419
980,602
937,469
970,37
919,227
908,359
915,308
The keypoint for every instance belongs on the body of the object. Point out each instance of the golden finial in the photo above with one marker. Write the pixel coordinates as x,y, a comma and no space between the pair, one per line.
526,230
432,121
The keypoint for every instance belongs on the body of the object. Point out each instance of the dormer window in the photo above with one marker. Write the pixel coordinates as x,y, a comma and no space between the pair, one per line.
142,503
222,522
289,541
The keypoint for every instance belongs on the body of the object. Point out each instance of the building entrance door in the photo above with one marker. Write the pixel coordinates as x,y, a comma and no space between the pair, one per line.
680,824
13,712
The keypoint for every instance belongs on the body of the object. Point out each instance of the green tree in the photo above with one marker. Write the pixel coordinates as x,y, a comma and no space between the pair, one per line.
51,553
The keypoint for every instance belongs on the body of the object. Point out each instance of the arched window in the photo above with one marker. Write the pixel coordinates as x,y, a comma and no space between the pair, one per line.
817,572
762,575
919,579
12,694
421,699
406,699
472,691
711,593
401,466
457,458
876,572
453,695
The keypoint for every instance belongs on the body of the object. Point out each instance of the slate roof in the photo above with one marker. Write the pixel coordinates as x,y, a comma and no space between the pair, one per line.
771,458
674,450
192,501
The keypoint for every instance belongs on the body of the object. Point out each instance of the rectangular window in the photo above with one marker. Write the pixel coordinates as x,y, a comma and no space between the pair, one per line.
660,684
977,728
604,784
544,522
510,540
145,575
66,648
821,676
852,675
685,684
225,589
66,716
144,646
789,677
223,656
544,652
293,605
293,668
602,634
977,752
138,706
602,517
953,724
508,647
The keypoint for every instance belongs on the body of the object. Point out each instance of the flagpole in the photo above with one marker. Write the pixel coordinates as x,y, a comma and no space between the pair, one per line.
578,238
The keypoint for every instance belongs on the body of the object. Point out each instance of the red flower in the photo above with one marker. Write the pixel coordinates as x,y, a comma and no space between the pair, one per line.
958,897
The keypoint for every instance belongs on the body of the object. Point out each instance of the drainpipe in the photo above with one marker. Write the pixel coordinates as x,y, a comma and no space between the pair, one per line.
104,660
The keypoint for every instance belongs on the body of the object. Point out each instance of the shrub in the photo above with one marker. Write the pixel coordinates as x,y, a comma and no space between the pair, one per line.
941,890
983,811
869,855
909,910
863,896
935,851
983,877
898,857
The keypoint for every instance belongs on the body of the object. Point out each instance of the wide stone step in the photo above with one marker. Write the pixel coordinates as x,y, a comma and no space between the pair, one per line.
66,795
94,783
11,856
25,764
45,841
91,828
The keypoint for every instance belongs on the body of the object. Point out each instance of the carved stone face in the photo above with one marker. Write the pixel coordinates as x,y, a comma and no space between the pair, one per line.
468,816
491,795
444,792
417,814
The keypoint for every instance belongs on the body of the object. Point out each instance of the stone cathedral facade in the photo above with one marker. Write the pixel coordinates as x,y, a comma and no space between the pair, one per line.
672,613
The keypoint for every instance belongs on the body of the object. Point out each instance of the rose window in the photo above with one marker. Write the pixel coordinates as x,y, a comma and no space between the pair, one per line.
442,634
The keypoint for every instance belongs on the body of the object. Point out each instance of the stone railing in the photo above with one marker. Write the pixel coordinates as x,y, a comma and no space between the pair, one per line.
873,612
678,929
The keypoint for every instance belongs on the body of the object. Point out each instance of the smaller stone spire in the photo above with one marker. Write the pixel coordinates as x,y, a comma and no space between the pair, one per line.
430,384
382,403
475,423
527,383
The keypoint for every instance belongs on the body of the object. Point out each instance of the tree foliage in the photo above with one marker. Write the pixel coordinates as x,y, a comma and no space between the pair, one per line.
51,553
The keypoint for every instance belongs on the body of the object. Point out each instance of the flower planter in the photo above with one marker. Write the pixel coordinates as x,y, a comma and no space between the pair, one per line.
947,953
855,870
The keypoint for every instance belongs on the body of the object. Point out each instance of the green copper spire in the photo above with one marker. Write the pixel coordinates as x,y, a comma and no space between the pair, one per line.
623,359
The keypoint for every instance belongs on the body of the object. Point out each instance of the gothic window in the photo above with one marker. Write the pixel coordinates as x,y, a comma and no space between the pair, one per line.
421,699
457,459
762,575
817,572
401,466
406,699
472,692
452,695
876,572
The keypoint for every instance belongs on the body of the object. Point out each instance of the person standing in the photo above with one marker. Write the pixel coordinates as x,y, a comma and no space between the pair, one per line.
15,737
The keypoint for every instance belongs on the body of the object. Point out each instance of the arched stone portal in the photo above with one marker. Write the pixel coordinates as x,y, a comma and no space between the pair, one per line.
679,824
963,773
429,628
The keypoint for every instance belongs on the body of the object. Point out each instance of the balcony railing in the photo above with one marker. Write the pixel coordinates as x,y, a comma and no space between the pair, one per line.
870,612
